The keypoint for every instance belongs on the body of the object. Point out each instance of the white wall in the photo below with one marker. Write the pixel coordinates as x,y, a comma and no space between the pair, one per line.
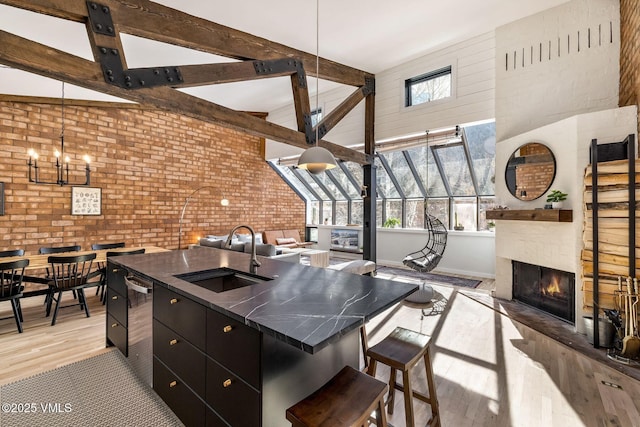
472,62
571,65
555,245
473,72
467,252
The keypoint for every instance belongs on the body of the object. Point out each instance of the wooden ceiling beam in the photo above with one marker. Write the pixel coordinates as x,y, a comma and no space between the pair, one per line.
332,119
27,55
109,73
153,21
205,74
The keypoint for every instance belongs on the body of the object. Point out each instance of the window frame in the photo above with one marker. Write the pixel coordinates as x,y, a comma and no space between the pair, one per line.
431,75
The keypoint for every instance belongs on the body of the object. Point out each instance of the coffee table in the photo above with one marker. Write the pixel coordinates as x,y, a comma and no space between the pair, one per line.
317,257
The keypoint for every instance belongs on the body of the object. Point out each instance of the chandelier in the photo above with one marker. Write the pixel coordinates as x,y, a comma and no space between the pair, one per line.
62,162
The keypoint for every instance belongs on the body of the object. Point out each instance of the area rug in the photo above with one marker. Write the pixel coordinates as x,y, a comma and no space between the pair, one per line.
99,391
429,277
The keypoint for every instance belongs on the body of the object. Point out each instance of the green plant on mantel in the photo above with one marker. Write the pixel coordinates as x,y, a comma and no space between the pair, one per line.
556,196
391,223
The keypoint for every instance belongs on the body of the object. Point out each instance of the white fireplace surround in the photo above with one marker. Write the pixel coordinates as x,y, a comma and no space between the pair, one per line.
554,244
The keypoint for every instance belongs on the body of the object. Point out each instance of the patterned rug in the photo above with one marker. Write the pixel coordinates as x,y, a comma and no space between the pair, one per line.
99,391
442,279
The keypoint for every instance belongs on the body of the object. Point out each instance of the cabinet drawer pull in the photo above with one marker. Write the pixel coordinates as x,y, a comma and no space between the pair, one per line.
173,384
115,297
227,328
115,270
173,301
173,342
115,325
226,383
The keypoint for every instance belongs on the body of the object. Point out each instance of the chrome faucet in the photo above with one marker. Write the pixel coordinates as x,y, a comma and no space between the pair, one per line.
254,263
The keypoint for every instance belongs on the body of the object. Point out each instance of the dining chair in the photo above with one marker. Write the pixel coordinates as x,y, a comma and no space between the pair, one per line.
59,249
11,274
11,252
103,265
56,250
70,273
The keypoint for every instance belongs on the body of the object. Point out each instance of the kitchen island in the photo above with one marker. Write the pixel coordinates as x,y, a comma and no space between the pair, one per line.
237,348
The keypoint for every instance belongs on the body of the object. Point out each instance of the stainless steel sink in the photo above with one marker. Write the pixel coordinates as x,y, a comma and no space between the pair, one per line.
222,279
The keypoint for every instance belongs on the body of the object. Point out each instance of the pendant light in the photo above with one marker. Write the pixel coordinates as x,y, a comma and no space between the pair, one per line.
317,159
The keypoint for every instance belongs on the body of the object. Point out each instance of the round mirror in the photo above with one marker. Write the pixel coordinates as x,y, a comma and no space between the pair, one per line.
530,171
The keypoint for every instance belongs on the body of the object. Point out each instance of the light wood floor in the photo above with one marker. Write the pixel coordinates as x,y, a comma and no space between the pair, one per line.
490,370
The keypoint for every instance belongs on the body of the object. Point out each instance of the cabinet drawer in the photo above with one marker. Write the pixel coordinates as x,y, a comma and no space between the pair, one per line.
186,405
116,334
117,306
234,345
115,278
213,420
180,356
233,399
181,314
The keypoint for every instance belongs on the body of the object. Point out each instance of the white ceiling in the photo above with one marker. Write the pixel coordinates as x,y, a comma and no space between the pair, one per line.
372,35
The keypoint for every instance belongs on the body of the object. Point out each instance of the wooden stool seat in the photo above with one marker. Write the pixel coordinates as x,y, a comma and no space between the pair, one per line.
347,400
401,351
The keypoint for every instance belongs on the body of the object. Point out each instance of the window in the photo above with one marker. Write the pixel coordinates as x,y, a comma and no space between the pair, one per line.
316,116
428,87
448,177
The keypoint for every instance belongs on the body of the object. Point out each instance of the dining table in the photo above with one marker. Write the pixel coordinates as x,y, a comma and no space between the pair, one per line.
41,261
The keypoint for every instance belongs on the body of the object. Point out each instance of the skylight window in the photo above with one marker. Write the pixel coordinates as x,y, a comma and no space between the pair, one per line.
428,87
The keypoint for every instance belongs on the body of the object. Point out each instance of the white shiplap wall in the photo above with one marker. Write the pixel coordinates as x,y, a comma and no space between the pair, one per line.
472,62
473,69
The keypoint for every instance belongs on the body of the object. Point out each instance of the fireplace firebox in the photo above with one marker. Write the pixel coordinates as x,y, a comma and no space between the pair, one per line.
546,289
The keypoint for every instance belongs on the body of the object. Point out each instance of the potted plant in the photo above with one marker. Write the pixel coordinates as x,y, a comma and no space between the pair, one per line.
391,223
556,197
491,225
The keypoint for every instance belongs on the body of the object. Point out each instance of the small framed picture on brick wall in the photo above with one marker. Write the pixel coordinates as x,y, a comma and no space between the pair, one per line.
86,201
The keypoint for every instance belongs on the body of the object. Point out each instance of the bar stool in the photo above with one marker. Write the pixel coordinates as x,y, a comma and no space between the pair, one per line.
402,350
347,400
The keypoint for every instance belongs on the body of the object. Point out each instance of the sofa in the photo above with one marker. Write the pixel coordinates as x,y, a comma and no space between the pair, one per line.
262,249
284,238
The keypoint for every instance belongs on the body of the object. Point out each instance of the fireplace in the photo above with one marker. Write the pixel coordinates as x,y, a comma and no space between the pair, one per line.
546,289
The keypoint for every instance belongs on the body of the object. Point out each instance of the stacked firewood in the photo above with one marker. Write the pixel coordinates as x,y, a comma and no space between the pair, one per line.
613,231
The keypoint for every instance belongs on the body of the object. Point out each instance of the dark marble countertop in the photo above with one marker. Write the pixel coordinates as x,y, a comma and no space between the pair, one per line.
304,306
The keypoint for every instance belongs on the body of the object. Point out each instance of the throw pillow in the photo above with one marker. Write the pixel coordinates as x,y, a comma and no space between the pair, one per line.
261,249
244,238
238,247
285,240
212,243
218,237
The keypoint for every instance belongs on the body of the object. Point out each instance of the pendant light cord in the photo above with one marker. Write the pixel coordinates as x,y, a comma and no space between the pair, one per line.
317,66
62,131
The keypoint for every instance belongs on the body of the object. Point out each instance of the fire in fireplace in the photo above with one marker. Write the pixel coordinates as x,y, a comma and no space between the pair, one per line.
544,288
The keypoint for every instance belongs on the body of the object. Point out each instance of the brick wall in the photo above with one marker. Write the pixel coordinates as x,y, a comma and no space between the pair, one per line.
629,53
146,162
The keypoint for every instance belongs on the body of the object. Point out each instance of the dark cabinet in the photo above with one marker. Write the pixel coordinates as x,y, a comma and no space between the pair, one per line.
237,376
215,360
180,356
235,346
174,391
116,334
223,388
186,317
117,318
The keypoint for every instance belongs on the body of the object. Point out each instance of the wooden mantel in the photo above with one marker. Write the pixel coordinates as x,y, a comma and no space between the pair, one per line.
552,215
